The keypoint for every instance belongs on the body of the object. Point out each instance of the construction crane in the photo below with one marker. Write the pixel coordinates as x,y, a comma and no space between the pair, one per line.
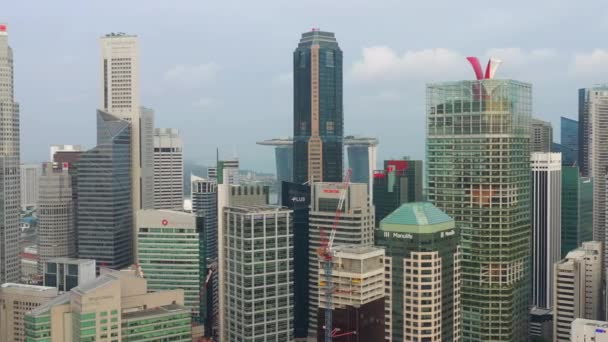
326,254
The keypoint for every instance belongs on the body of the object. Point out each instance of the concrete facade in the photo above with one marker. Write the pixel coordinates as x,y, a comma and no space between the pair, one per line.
168,169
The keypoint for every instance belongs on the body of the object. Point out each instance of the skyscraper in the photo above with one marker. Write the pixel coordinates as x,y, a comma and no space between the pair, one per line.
422,261
10,197
546,224
227,171
258,278
541,136
56,226
569,141
578,288
362,158
577,209
168,169
399,182
584,131
318,114
105,211
30,174
478,165
356,227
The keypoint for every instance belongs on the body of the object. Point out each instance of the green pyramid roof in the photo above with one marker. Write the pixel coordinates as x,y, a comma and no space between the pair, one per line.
419,217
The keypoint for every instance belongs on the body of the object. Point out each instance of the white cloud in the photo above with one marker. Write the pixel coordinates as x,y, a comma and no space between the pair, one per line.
591,63
203,102
192,74
515,56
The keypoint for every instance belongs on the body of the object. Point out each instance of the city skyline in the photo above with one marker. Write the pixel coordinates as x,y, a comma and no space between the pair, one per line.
208,75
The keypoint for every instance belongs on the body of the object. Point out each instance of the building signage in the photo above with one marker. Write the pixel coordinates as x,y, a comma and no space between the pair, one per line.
298,199
448,233
164,222
331,191
398,235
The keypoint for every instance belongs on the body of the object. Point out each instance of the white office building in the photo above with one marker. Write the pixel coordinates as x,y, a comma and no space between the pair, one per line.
29,185
168,169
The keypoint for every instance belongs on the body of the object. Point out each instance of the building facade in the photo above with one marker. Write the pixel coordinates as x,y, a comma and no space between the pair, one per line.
318,113
30,174
546,224
172,255
399,182
569,141
587,330
422,261
67,273
356,227
584,131
105,211
357,304
168,169
362,159
577,209
15,301
10,190
258,278
63,148
478,172
114,307
541,136
578,288
228,171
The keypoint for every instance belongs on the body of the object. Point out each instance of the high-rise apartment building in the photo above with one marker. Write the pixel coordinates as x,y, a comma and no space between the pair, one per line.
67,273
356,227
30,174
546,224
172,255
114,307
577,209
258,275
541,136
478,173
357,307
105,211
56,226
422,266
399,182
10,191
15,301
297,198
587,330
318,113
578,288
168,169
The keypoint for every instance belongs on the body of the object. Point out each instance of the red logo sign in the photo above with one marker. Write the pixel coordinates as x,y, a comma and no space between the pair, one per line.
331,191
2,27
164,222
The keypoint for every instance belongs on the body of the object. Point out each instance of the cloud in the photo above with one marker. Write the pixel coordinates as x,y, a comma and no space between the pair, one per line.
204,102
285,78
591,63
192,74
515,56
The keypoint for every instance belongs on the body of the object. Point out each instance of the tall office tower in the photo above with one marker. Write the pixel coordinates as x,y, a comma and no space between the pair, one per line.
297,198
184,266
15,301
356,227
105,211
587,330
67,273
114,307
422,261
228,171
585,129
569,141
258,281
63,148
399,182
30,174
577,209
478,172
56,226
362,159
357,306
546,224
232,195
541,136
10,197
168,169
578,288
318,117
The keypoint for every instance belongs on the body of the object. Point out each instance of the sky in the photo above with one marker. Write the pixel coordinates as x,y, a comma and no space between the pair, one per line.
220,71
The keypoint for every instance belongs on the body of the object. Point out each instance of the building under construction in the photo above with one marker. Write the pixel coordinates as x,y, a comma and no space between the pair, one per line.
358,295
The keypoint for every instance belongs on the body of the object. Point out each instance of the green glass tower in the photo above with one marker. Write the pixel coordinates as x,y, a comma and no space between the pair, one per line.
577,209
478,172
422,261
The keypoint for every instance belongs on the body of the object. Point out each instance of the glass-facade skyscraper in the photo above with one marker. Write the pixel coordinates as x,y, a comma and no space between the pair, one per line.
569,141
577,209
318,115
105,213
478,172
400,182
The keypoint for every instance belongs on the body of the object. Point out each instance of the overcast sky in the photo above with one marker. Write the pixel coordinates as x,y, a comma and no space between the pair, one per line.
220,71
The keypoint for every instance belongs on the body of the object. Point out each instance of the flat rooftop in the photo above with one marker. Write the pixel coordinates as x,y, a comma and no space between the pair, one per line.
161,310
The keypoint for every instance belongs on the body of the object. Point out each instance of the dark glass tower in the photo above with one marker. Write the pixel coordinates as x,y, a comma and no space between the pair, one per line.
318,117
105,214
577,209
400,182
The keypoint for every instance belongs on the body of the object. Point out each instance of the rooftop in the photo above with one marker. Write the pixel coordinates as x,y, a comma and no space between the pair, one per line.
348,140
257,209
71,261
26,286
419,217
161,310
61,299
